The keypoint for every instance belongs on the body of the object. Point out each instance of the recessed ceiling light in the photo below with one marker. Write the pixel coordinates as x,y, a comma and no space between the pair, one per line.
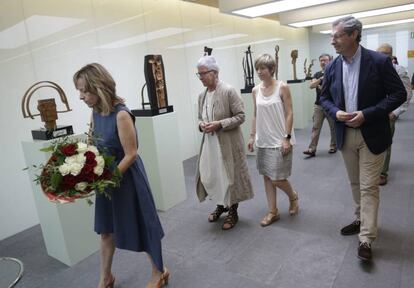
358,15
278,6
375,25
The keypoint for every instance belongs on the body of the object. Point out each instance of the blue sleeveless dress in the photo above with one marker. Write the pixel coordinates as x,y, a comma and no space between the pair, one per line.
130,214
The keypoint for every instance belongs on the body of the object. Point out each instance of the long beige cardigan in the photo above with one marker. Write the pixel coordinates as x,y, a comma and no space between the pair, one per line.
228,108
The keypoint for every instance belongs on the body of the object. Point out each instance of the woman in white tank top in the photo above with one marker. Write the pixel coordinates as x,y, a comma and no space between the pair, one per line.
272,133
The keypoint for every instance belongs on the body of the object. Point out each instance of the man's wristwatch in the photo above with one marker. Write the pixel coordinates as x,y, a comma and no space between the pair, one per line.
287,136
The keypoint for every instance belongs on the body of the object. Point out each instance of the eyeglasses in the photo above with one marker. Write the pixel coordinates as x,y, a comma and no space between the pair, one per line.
201,74
338,35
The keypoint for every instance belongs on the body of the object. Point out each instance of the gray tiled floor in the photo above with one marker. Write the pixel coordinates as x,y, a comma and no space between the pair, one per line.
303,251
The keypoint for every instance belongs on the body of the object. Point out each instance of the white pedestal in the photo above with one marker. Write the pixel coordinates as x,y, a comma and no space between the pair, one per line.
247,125
67,228
159,148
303,99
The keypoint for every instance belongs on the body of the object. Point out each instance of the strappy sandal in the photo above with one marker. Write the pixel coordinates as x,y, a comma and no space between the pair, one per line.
213,217
294,205
271,216
332,150
231,219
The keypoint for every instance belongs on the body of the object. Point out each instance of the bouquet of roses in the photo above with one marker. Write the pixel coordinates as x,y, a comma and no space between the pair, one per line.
76,170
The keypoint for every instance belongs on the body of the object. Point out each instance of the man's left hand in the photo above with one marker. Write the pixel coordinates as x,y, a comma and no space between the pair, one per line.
392,116
357,120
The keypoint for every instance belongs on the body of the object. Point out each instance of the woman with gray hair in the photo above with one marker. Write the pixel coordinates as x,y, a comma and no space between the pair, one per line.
222,173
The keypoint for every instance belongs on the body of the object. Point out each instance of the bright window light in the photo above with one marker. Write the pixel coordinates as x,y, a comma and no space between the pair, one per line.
249,43
208,41
34,28
162,33
358,15
381,24
278,6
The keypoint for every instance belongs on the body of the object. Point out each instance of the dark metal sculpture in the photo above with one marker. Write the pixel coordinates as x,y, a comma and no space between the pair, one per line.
308,71
277,61
248,70
156,88
48,112
207,51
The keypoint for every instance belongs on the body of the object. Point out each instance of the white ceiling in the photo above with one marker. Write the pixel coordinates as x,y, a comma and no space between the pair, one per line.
333,9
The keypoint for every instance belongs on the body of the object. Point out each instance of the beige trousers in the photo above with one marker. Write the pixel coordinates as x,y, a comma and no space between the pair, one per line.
318,116
363,169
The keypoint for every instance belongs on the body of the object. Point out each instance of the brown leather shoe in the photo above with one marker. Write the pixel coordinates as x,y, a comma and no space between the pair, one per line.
364,251
352,228
383,180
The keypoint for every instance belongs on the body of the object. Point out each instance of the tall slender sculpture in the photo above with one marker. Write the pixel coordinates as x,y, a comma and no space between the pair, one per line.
308,72
156,88
47,111
277,61
294,55
248,71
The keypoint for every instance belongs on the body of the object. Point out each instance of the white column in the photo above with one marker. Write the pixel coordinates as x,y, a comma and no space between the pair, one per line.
159,148
67,228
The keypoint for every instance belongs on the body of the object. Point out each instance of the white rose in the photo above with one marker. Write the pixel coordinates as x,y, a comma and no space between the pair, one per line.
77,158
100,162
81,186
64,169
82,147
93,149
98,170
75,168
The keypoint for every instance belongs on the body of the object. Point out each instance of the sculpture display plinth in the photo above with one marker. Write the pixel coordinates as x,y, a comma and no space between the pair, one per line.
67,229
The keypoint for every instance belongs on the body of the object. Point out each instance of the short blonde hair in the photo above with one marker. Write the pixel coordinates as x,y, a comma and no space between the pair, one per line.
99,81
265,60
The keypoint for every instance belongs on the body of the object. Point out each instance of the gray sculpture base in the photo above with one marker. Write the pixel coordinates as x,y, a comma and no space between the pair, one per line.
302,101
67,228
247,125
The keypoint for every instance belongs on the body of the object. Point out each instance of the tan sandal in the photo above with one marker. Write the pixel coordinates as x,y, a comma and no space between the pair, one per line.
271,216
294,205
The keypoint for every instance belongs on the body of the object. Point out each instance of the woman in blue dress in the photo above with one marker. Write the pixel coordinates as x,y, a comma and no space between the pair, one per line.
128,220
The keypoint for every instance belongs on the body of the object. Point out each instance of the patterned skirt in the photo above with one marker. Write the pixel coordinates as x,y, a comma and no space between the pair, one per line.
271,163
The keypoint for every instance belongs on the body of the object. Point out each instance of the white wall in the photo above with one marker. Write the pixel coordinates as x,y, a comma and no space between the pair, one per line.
54,54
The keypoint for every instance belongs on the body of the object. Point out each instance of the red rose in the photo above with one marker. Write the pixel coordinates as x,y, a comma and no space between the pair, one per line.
68,182
106,174
68,150
90,157
87,169
91,177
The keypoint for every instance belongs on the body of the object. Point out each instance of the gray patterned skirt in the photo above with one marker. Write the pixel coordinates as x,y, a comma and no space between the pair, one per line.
271,163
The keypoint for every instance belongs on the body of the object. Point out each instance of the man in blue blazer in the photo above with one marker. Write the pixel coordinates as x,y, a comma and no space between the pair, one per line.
360,88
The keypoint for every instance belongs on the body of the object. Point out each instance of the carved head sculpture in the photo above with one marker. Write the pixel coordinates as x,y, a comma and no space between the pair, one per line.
294,55
46,107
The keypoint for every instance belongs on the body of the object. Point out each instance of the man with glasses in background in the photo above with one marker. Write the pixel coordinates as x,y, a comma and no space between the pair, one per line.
360,89
318,113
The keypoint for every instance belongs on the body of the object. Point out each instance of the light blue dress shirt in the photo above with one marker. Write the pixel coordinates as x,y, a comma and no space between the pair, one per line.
350,80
